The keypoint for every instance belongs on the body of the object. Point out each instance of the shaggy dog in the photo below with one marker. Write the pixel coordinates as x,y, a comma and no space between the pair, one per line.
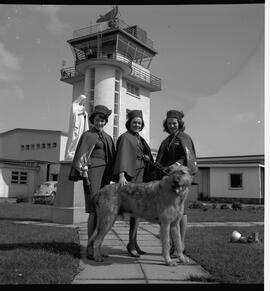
158,202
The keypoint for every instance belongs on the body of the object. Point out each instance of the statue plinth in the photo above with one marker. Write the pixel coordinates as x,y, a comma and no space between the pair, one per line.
69,204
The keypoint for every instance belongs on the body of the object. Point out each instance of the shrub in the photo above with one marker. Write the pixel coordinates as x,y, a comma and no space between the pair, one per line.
22,199
214,205
224,206
194,205
198,205
237,205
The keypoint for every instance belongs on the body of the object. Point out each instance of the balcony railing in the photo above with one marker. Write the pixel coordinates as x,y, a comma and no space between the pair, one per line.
117,55
69,72
118,23
146,77
122,57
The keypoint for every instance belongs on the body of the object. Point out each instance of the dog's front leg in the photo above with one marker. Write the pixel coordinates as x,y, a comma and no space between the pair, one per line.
165,240
177,242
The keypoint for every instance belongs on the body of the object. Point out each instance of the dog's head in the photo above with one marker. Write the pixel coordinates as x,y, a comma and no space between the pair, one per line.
179,177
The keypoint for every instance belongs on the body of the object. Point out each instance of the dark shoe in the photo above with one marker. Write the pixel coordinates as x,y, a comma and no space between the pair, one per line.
139,251
89,257
132,252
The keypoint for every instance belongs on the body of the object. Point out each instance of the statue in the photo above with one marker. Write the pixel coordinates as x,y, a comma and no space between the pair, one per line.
78,124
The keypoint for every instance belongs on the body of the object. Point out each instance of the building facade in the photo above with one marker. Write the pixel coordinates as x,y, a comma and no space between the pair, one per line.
29,157
225,179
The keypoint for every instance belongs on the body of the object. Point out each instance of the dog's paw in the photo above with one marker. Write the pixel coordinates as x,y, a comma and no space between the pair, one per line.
98,258
171,263
183,259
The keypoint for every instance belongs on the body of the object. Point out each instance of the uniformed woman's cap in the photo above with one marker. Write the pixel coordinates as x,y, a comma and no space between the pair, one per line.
100,109
175,114
135,113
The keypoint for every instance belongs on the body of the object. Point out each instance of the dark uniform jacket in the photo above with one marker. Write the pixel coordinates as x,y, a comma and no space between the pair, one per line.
83,152
126,156
180,149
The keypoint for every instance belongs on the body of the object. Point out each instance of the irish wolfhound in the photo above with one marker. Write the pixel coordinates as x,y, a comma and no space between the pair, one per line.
158,202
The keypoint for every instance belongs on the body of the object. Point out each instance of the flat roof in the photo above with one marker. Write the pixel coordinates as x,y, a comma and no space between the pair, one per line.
34,130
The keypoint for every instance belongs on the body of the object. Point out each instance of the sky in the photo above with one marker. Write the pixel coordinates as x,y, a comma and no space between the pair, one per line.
210,59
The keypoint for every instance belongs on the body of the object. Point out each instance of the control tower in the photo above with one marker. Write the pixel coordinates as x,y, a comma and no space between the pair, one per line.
112,67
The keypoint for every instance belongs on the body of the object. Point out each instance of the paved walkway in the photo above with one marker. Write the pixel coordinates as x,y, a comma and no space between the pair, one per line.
119,268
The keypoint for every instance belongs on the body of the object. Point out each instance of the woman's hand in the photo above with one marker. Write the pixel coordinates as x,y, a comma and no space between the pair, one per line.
122,180
146,158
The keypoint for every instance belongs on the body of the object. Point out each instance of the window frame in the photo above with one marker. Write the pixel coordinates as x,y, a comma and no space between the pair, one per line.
231,186
133,90
19,178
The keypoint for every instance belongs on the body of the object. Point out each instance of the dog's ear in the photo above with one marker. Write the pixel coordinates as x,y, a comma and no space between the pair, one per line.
173,167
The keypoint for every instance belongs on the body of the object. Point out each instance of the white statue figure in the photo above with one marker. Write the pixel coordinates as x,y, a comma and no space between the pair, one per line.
78,124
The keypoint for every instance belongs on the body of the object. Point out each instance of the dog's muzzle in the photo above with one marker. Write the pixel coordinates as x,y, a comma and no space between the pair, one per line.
178,187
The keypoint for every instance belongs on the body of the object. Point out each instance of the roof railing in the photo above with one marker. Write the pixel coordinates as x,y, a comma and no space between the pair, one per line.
134,30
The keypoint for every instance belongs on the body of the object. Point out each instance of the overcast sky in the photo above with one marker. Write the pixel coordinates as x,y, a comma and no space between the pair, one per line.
210,60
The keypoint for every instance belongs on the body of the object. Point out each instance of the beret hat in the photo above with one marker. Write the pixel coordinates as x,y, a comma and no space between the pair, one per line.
100,109
175,114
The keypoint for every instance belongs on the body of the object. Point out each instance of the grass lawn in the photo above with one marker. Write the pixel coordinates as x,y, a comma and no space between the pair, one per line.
232,263
31,254
227,262
25,211
220,215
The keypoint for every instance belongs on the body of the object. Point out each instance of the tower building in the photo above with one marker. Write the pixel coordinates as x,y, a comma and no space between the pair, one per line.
112,67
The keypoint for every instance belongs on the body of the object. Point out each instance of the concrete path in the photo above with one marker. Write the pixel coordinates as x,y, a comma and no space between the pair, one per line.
119,267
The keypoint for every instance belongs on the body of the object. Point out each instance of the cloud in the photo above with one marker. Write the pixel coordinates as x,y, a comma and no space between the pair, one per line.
55,25
10,64
15,93
244,117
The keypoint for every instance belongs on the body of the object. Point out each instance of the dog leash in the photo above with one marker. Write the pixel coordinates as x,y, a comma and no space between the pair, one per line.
155,165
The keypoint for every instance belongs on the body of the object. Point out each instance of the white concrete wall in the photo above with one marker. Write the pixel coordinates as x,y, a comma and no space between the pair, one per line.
54,169
63,143
8,190
131,102
104,91
12,142
104,95
220,182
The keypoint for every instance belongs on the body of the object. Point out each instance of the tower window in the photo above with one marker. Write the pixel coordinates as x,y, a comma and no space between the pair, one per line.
134,90
22,147
116,105
92,90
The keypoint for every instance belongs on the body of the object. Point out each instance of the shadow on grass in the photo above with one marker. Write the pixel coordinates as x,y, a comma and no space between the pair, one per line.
24,219
72,249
